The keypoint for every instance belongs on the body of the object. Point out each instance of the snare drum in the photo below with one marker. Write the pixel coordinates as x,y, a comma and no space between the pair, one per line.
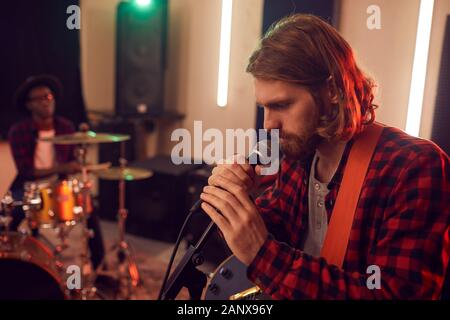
28,270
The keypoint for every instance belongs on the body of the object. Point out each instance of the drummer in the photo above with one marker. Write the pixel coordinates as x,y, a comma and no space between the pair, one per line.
41,161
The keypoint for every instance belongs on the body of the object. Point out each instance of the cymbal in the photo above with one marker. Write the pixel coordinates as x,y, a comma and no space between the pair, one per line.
89,137
128,174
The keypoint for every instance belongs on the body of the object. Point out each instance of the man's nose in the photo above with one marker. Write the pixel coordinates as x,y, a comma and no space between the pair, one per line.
271,120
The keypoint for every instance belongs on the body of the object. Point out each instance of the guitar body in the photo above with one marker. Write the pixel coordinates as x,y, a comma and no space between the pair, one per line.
230,282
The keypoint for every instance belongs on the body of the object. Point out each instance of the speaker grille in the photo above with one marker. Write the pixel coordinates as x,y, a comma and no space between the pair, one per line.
140,64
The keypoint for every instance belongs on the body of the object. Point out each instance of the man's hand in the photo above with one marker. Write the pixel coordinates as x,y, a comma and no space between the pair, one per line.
239,220
69,168
66,168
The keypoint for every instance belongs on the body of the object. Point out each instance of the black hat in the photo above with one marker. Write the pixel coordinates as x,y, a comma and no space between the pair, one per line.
47,80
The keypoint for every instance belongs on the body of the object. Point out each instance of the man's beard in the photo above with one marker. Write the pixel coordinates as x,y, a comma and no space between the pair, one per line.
299,147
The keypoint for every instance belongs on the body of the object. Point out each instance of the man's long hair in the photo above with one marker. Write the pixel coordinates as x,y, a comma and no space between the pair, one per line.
306,50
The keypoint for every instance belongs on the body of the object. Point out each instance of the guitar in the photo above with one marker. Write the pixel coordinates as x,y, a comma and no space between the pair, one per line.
229,282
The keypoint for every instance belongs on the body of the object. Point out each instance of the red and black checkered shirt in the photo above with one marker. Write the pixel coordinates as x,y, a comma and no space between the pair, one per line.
401,225
22,139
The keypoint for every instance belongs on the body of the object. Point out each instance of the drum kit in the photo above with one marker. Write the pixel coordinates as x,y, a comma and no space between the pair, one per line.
29,269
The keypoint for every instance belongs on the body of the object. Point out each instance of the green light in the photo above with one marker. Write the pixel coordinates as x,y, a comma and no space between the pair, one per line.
143,3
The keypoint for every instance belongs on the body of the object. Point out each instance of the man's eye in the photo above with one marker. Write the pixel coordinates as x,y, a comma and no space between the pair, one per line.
278,106
274,106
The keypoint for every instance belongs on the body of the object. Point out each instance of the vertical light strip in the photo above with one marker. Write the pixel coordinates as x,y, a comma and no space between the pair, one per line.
419,67
224,56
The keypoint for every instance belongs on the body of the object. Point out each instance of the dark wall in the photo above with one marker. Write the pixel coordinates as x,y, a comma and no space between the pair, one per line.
34,39
441,131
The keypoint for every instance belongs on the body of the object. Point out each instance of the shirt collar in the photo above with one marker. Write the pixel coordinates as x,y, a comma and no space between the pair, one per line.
337,177
56,125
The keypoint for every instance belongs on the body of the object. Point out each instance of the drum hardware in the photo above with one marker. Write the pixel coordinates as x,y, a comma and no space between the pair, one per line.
12,242
86,137
126,173
7,205
82,203
33,206
128,274
5,221
47,205
61,206
82,140
86,292
63,231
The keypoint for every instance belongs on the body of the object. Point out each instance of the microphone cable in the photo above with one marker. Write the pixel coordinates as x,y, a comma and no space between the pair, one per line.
174,252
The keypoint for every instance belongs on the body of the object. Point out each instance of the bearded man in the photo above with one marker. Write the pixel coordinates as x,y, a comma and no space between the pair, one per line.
313,92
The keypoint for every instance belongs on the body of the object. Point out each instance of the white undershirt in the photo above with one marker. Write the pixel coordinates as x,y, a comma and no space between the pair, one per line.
318,218
44,154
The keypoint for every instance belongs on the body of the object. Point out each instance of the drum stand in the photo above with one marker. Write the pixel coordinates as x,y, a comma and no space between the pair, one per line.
63,232
7,205
87,292
127,270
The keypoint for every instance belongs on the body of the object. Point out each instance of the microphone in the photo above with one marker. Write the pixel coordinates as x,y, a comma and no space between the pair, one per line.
259,155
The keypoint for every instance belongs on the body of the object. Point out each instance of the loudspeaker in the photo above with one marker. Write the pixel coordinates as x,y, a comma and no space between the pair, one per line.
140,58
158,205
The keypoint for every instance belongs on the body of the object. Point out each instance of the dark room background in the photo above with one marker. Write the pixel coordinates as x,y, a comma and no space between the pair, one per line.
36,40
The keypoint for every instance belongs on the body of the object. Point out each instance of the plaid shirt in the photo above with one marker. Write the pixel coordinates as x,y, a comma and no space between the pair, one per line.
22,138
401,225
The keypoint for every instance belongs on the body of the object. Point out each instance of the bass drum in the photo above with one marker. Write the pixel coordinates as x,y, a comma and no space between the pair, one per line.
28,270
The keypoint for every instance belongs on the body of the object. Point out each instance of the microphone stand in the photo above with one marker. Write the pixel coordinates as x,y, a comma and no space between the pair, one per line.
186,274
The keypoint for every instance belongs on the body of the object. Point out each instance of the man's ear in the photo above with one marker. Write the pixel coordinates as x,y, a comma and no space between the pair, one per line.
332,90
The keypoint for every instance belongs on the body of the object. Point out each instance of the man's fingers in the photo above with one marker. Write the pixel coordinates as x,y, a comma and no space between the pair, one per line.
243,173
216,217
217,179
258,169
222,194
221,205
240,194
235,173
237,190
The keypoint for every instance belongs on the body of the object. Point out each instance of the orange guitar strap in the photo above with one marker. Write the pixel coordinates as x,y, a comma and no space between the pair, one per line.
338,233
